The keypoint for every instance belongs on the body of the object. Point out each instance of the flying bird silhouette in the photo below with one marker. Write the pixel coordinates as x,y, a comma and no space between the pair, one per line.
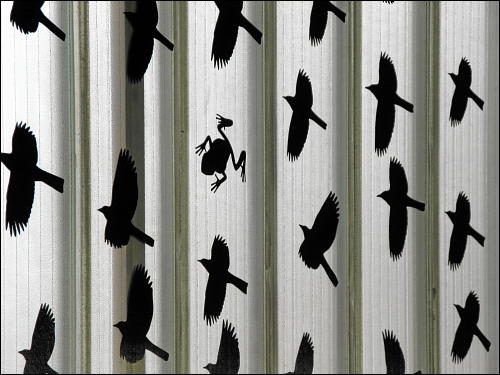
228,359
387,97
26,15
398,200
319,238
42,344
467,329
301,105
22,163
139,315
461,230
119,215
219,276
394,358
305,357
140,50
319,17
226,31
462,93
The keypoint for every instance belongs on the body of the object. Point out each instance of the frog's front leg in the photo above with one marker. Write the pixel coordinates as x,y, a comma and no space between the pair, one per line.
215,185
201,148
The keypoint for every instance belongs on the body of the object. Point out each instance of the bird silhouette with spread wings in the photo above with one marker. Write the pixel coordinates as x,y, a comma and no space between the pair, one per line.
228,358
304,362
26,15
394,358
319,18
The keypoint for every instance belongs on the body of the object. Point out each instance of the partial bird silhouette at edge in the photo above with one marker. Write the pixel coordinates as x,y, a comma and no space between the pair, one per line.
304,362
26,15
394,357
228,358
319,19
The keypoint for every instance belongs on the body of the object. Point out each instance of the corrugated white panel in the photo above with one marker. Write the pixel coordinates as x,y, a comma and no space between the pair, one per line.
307,299
36,265
394,291
234,211
469,163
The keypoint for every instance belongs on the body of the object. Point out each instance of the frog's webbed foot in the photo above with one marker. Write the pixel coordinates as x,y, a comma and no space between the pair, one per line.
242,161
243,174
223,122
215,185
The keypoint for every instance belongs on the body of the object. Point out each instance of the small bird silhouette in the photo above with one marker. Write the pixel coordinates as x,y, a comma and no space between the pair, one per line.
462,93
394,358
23,173
226,31
143,22
301,105
319,238
467,329
119,215
139,315
305,357
26,15
461,230
219,276
398,200
387,97
319,17
228,359
42,344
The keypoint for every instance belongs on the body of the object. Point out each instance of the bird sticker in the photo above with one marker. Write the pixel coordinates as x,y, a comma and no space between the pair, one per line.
26,15
119,215
462,93
143,22
319,17
215,159
228,358
42,343
229,21
319,238
218,278
22,163
394,358
302,112
467,329
139,315
398,200
387,97
305,357
461,231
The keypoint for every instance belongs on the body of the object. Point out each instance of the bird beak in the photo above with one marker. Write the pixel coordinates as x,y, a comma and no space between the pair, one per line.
99,209
367,87
284,97
205,367
199,260
115,325
379,196
450,74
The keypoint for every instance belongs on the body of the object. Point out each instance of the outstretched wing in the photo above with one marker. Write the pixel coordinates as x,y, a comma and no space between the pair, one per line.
228,359
462,342
326,222
125,191
465,72
220,253
148,12
394,358
472,307
458,242
139,54
317,23
463,207
225,33
297,134
387,73
305,357
303,91
20,194
215,295
397,177
43,340
384,125
25,15
24,145
140,302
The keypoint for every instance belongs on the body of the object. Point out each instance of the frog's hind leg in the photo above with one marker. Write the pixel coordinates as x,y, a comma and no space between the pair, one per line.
240,164
215,185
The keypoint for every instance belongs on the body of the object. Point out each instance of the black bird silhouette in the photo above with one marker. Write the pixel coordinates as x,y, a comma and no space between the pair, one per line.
387,97
42,344
319,238
219,276
228,359
319,17
305,357
467,328
119,215
394,358
26,15
140,50
462,93
226,31
461,230
139,316
301,105
23,173
398,200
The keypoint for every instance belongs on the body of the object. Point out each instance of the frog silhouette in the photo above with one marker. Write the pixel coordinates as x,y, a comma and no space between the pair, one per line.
215,159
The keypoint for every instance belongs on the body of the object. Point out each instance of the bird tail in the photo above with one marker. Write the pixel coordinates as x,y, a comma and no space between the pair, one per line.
332,8
237,282
486,343
476,235
404,104
156,350
167,43
252,30
476,99
141,236
313,116
50,25
410,202
329,272
49,370
54,182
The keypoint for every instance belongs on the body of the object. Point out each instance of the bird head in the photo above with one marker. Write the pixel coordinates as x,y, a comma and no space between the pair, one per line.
105,210
210,368
305,229
453,77
450,214
289,100
120,326
205,263
384,195
25,353
460,309
131,17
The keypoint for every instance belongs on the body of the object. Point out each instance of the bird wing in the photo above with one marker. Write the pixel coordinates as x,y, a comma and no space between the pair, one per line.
398,223
384,125
43,339
225,36
462,342
297,134
148,12
305,357
220,253
397,177
24,145
325,225
317,24
458,242
20,194
458,106
228,359
215,295
465,72
233,7
463,207
24,15
387,73
303,91
115,235
125,191
140,302
394,358
140,52
472,307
